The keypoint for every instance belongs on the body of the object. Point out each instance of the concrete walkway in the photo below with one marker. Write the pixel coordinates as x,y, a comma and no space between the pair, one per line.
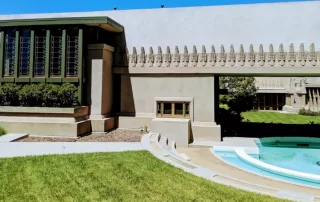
15,149
11,137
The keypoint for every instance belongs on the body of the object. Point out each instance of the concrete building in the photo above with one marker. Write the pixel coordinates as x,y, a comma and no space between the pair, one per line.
160,67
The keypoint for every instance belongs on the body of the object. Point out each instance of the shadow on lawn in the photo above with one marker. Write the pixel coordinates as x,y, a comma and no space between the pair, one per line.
258,130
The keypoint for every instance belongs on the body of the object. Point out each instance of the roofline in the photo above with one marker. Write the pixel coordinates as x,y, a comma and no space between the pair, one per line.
62,21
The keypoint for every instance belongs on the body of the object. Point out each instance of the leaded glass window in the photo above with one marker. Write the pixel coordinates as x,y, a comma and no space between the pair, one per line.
72,54
56,54
24,54
40,53
10,53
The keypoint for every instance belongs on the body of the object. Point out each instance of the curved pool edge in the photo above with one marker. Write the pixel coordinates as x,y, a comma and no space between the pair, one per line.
260,175
277,170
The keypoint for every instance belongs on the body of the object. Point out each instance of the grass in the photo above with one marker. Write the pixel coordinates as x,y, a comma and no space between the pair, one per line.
268,117
3,131
124,176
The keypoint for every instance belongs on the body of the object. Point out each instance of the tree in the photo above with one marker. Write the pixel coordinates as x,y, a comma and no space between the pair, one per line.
241,93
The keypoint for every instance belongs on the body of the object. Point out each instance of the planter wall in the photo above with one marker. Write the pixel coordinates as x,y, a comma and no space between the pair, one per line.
46,121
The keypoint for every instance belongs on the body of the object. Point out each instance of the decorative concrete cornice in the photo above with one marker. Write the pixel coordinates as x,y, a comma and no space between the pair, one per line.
231,58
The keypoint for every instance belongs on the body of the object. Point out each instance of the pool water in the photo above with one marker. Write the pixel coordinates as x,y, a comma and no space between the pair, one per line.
302,159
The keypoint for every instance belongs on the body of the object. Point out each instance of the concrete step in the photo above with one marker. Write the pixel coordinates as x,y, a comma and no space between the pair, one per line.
201,143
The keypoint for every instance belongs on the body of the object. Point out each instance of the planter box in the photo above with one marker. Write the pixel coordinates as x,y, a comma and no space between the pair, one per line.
46,121
50,111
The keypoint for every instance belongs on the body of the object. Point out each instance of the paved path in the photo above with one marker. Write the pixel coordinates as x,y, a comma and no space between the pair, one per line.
11,137
14,149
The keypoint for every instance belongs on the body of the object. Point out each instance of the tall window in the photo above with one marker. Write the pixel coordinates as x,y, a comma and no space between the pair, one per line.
56,54
24,53
173,109
10,53
40,53
72,54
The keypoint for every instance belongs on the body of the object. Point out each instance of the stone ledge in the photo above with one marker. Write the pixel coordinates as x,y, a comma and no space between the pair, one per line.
48,129
74,112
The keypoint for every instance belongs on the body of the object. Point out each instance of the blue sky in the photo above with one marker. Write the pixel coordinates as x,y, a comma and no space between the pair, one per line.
49,6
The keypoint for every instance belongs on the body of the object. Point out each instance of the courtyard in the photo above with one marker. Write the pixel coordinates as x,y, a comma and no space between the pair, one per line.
114,106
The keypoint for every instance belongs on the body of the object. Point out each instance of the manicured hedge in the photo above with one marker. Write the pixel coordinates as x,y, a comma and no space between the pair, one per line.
307,112
39,95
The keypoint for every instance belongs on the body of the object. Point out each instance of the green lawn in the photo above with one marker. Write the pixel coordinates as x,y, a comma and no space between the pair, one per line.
125,176
268,117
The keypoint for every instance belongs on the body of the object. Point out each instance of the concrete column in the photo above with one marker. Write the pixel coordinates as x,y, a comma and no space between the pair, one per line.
303,100
99,87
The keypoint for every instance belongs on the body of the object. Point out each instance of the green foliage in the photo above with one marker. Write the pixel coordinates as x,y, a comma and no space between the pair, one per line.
306,112
51,95
31,95
241,93
9,94
68,95
3,131
39,95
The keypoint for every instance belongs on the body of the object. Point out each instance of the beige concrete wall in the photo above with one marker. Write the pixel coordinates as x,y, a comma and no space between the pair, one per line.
107,81
174,129
288,100
138,94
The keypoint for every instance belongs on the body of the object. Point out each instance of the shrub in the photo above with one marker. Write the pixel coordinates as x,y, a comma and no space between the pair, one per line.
49,95
2,131
9,94
32,95
308,112
68,95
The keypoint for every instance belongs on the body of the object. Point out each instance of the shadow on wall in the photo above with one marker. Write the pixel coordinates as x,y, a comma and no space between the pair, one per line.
259,130
123,102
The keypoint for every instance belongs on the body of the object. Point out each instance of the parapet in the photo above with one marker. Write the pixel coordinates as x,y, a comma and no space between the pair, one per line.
212,58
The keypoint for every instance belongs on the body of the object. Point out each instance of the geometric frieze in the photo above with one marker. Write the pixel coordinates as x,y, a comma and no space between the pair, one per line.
298,57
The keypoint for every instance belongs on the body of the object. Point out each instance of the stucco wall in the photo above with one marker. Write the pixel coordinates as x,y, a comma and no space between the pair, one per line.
138,94
275,23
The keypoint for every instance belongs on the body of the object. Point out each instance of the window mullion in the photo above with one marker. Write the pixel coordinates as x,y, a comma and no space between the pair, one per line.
48,36
162,109
184,109
31,53
80,63
172,109
63,53
16,54
1,52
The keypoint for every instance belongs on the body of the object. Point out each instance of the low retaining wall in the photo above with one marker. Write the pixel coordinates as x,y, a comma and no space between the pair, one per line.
46,121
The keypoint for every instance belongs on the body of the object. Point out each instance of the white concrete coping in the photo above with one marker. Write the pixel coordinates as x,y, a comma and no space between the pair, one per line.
274,169
171,120
12,137
15,149
44,110
248,150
